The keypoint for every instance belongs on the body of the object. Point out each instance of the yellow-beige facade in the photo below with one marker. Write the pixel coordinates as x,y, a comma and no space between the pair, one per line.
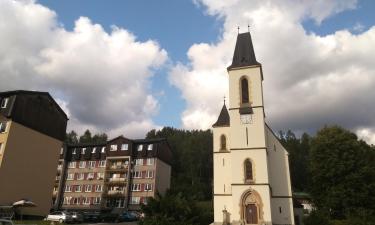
29,153
251,168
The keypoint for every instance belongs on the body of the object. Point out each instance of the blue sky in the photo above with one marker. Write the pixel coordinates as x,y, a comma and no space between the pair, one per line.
175,30
110,81
176,25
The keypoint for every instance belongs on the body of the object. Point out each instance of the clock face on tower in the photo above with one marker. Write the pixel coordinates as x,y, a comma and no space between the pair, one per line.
246,118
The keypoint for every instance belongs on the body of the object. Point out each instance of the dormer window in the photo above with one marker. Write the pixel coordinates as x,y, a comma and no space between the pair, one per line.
113,148
150,146
103,149
124,147
83,151
74,151
4,103
140,147
93,150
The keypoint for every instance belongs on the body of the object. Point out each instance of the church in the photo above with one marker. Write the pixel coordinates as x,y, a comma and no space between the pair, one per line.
251,168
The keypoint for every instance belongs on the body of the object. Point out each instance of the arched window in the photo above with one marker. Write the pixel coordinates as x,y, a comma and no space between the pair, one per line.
248,170
244,91
223,142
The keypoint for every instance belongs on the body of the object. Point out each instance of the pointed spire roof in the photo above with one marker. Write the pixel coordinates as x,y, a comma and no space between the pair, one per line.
223,120
244,52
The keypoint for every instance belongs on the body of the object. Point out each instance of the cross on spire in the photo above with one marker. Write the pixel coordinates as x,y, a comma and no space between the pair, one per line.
224,99
248,27
238,28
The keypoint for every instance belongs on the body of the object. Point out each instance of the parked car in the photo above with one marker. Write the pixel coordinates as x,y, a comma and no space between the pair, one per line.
77,217
5,222
123,217
60,216
91,216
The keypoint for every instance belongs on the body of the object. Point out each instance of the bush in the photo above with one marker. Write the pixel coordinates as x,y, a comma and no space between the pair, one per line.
317,217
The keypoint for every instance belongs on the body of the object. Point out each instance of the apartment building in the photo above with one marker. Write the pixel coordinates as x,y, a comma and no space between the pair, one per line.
32,130
118,175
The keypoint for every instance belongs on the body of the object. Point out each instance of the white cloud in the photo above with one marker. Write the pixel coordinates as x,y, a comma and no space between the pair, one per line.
310,80
101,78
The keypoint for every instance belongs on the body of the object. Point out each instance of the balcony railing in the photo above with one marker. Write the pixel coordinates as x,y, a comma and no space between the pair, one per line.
116,179
116,192
117,167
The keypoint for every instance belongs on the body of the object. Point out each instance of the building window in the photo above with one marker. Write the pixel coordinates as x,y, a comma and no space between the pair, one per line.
99,188
83,151
148,187
248,170
92,164
61,151
100,176
3,126
137,174
244,91
86,201
274,147
67,200
139,162
70,176
78,188
90,176
113,148
75,201
93,150
4,103
88,188
102,163
150,174
136,187
135,200
150,161
103,149
68,188
140,147
72,165
80,176
150,146
82,164
97,200
223,142
124,147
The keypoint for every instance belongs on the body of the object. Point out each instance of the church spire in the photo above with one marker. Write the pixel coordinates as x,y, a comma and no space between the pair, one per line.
244,52
223,120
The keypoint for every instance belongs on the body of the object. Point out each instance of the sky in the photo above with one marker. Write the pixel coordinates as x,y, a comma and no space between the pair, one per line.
125,67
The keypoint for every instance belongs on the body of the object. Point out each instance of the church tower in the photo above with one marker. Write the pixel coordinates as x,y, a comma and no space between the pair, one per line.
251,169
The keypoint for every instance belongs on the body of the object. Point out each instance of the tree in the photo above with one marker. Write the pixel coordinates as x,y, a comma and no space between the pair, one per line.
173,209
71,137
98,138
342,171
192,160
85,138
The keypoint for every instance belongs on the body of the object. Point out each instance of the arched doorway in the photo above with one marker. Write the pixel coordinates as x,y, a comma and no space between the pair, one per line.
251,207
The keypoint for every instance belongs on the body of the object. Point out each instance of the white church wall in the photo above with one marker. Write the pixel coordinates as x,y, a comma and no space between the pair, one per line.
221,203
262,190
258,158
282,210
279,171
253,75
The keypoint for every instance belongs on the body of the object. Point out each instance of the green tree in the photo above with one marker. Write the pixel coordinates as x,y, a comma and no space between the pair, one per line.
342,172
192,160
85,138
173,209
71,137
102,137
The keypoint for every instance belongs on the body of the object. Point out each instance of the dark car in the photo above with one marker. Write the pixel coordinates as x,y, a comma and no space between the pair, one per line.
123,217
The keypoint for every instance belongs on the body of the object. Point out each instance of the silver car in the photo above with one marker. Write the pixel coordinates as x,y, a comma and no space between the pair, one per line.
60,216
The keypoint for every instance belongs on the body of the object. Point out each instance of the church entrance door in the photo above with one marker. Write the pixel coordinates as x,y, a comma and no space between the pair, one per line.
251,214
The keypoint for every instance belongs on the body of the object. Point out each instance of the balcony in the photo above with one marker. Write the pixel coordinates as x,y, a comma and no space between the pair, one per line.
117,167
116,180
116,192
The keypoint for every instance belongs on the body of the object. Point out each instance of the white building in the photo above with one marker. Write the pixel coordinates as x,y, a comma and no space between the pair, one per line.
251,168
